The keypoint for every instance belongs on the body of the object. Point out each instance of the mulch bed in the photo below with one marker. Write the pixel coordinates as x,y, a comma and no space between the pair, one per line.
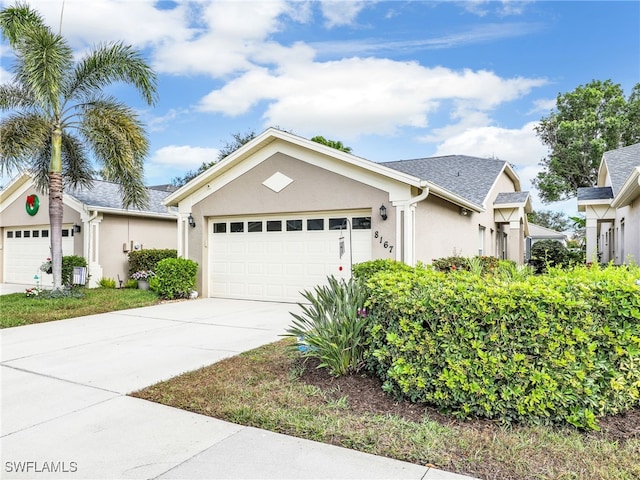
365,395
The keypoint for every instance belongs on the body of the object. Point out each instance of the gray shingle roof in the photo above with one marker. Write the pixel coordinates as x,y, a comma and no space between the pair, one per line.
107,195
468,177
620,162
595,193
511,197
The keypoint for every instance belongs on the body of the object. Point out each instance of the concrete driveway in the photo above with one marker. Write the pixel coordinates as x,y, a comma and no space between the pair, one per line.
65,413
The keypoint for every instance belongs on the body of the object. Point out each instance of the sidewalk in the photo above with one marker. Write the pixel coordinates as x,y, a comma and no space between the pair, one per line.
65,413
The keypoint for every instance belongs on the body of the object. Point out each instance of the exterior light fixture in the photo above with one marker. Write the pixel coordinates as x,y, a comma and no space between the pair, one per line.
191,220
77,228
464,212
383,212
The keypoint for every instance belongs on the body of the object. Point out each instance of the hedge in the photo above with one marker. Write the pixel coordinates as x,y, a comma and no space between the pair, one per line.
175,278
561,347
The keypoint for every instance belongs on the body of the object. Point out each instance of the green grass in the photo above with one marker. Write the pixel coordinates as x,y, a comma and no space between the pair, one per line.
18,309
264,388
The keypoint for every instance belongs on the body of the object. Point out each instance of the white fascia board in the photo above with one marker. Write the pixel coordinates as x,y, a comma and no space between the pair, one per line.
511,174
131,213
629,191
453,198
16,188
264,145
603,171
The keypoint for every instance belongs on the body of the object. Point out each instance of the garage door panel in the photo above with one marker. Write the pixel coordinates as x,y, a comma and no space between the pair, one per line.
278,265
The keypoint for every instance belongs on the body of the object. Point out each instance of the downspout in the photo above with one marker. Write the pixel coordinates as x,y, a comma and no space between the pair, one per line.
410,225
86,224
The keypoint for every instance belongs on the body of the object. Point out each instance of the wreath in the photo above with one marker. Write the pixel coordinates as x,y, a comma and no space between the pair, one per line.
32,205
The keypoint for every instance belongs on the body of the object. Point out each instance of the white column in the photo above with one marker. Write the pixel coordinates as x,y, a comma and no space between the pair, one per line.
592,239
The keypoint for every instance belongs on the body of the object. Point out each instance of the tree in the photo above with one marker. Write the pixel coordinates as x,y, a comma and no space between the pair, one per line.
587,122
59,118
554,220
239,139
331,143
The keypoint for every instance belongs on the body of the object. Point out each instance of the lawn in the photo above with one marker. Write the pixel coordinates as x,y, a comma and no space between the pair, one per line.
272,388
18,309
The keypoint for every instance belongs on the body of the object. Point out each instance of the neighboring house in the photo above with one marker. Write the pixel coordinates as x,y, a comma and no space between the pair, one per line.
282,213
95,226
537,233
612,208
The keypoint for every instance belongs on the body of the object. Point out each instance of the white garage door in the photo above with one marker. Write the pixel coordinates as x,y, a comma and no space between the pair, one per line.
26,248
276,257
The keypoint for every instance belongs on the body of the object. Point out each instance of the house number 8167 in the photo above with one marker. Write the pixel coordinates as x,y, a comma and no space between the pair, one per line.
384,243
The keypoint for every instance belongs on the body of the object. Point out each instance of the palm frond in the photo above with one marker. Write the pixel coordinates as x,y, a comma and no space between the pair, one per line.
110,63
15,97
18,19
22,137
120,144
77,170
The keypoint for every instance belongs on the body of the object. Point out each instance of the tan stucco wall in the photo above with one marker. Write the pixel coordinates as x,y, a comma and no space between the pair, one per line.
14,214
628,245
116,230
313,189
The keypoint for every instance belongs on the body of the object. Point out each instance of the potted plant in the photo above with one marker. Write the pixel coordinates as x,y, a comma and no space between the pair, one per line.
143,277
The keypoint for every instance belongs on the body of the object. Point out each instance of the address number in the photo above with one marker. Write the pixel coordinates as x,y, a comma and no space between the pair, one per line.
385,244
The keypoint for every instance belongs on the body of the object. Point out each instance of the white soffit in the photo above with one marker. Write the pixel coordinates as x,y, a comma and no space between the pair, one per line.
277,182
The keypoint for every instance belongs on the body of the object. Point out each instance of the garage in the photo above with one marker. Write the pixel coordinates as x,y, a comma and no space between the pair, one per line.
275,257
26,249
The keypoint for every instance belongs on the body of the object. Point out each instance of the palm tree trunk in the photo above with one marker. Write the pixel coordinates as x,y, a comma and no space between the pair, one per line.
56,207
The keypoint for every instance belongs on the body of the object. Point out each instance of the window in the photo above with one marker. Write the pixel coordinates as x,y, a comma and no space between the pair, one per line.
294,225
337,223
45,233
361,223
18,234
220,227
315,224
481,232
26,234
9,234
254,226
274,225
65,232
236,227
35,233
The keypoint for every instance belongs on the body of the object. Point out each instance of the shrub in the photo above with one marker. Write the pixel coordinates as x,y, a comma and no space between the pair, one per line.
107,283
131,283
332,326
549,253
68,262
365,270
142,260
561,347
480,264
175,277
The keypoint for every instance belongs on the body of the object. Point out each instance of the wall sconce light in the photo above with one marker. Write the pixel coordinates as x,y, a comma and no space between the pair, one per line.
191,220
77,228
383,212
464,212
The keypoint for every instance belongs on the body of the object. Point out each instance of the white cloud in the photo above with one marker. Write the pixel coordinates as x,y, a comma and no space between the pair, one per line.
183,156
355,96
339,13
543,105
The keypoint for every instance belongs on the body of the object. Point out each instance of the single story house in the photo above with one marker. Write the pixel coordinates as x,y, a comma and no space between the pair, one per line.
95,226
282,213
612,208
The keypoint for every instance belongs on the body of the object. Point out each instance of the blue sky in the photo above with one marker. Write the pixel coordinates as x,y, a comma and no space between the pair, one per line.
392,80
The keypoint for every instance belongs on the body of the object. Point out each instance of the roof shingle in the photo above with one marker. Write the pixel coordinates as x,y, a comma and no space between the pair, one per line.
594,193
620,163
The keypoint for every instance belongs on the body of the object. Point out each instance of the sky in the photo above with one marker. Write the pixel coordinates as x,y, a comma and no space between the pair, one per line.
393,80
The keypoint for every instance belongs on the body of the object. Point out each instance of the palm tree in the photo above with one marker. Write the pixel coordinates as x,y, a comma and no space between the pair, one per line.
59,119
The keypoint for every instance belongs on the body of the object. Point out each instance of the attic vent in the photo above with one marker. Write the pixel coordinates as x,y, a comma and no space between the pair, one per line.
277,182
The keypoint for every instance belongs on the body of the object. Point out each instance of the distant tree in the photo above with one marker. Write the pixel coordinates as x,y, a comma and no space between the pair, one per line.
554,220
331,143
59,117
239,139
586,122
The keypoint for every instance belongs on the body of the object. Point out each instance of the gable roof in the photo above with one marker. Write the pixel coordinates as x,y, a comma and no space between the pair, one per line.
594,193
505,198
538,231
619,164
468,177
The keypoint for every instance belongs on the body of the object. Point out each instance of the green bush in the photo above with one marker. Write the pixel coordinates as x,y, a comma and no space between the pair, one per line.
480,264
131,283
68,262
107,283
560,347
332,326
363,271
148,259
175,278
